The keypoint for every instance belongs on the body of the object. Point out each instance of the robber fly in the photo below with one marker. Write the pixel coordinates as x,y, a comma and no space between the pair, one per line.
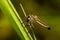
32,18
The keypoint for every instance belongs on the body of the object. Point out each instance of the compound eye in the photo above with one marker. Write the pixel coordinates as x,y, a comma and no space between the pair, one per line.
28,18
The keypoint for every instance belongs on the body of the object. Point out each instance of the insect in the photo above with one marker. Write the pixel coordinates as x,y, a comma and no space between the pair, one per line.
32,18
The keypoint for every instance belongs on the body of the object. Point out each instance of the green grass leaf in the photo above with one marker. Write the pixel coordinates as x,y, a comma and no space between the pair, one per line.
18,25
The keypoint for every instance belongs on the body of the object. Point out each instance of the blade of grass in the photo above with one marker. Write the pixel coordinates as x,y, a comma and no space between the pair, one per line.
23,10
11,13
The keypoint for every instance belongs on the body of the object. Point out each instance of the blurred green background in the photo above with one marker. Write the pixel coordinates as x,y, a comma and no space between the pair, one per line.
46,10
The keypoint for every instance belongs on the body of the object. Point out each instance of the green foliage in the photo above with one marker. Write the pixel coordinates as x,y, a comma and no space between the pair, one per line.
16,21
